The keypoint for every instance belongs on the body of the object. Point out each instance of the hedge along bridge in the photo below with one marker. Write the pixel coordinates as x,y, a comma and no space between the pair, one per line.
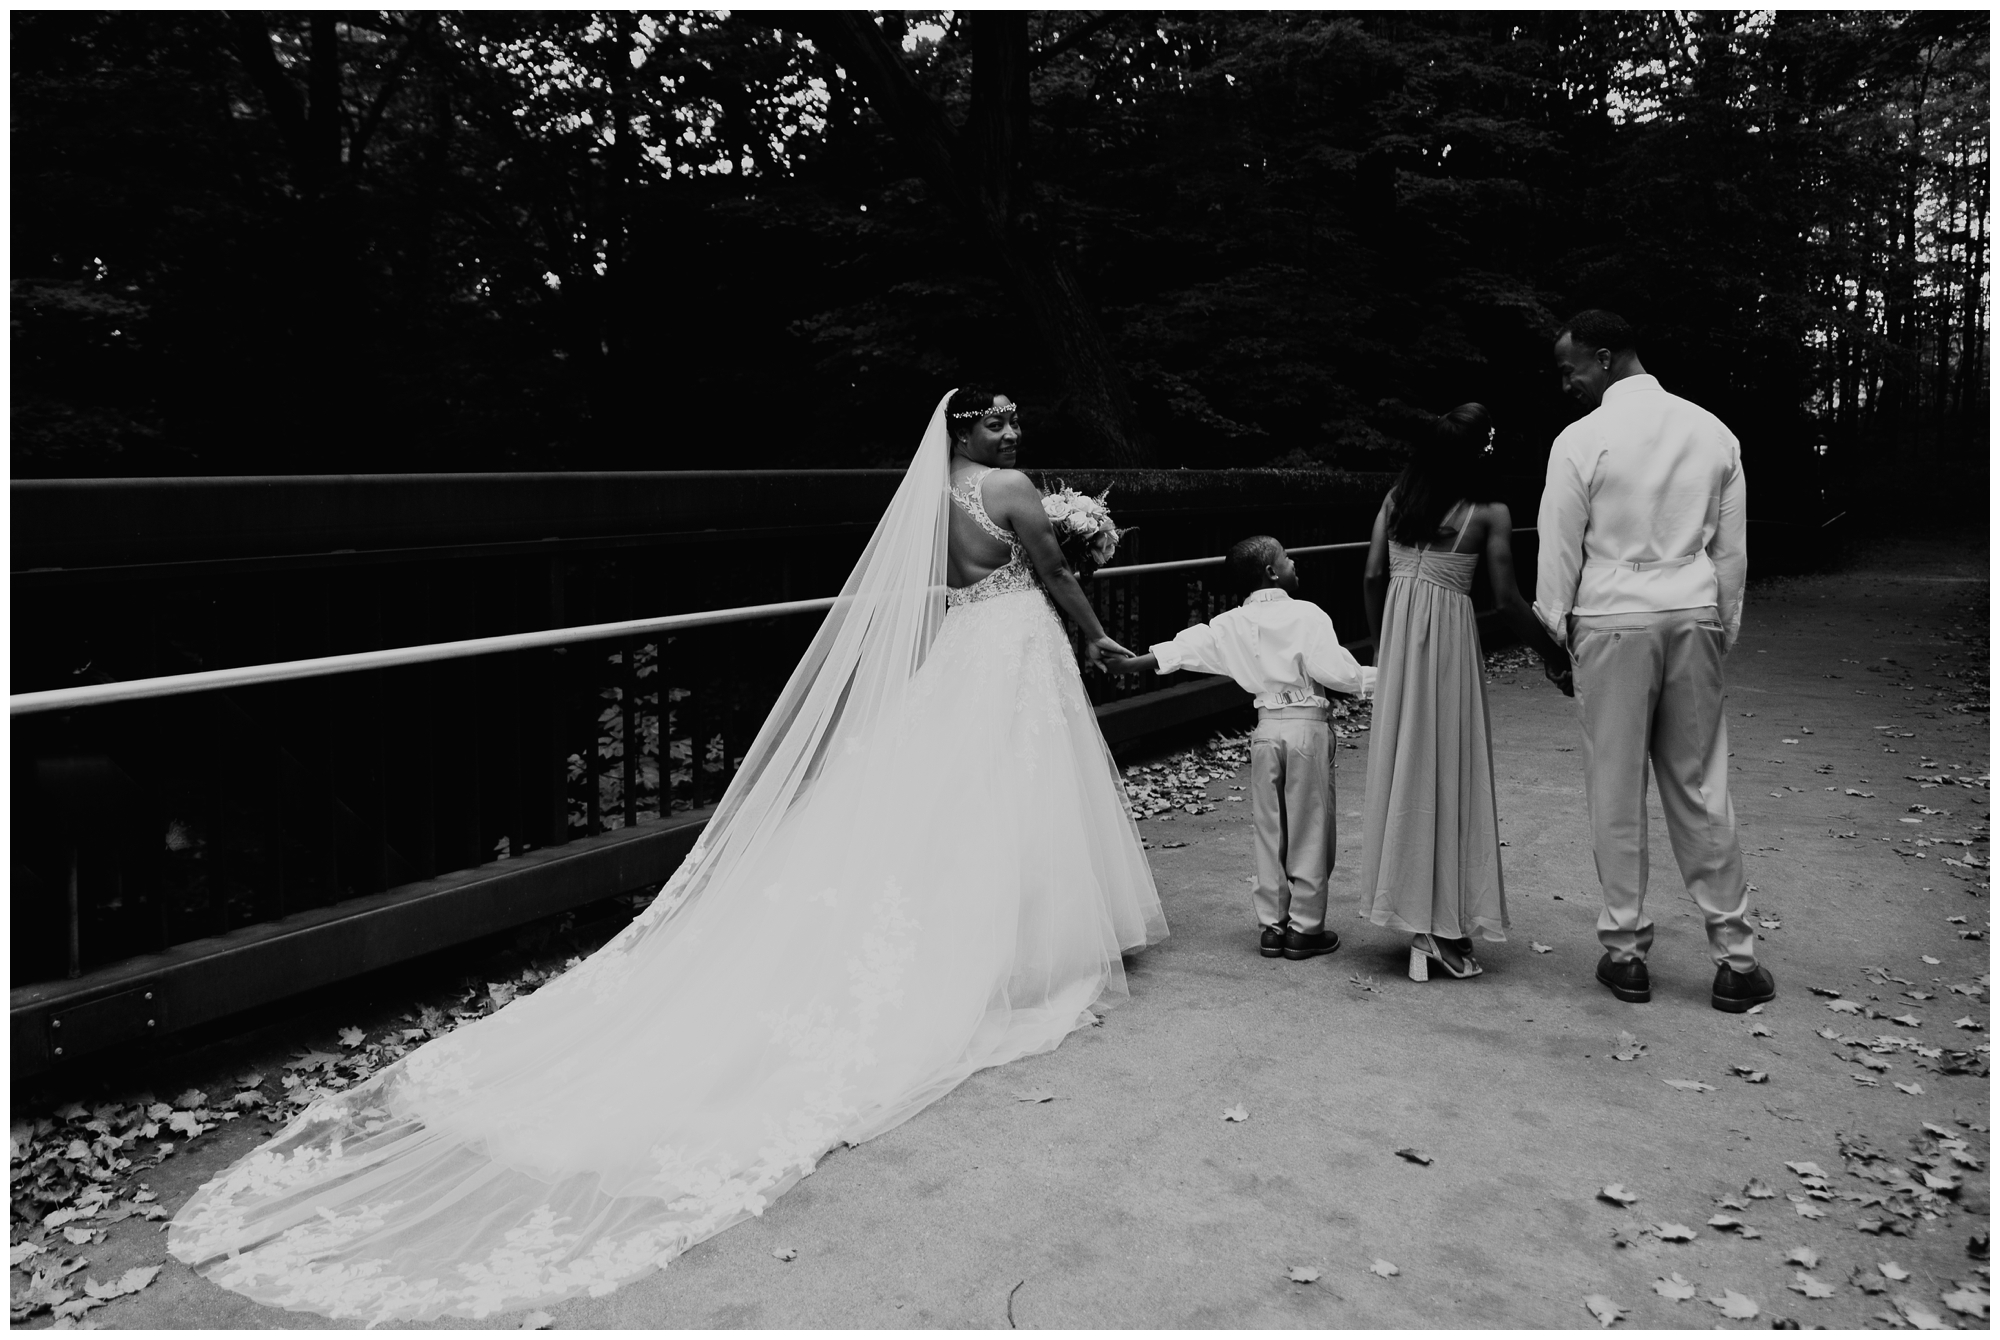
194,844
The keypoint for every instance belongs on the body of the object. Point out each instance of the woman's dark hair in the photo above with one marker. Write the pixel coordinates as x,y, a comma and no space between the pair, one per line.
977,397
1448,467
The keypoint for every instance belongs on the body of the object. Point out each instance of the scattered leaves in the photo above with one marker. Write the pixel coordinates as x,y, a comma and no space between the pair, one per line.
1237,1113
1303,1274
1384,1268
536,1321
1541,948
1688,1085
785,1253
1673,1232
1617,1194
1810,1287
131,1281
1414,1156
1891,1271
1803,1256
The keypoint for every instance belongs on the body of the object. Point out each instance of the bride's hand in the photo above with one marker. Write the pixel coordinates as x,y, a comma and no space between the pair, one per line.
1104,646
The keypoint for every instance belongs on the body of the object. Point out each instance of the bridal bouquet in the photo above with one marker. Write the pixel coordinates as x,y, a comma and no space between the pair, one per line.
1084,528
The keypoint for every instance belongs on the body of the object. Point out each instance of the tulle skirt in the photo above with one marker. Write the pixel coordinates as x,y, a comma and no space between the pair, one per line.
950,896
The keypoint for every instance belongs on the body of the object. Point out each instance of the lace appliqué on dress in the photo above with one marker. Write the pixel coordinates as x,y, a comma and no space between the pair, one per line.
1016,574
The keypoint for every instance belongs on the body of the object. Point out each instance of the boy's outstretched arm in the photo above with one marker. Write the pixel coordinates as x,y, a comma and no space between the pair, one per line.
1128,664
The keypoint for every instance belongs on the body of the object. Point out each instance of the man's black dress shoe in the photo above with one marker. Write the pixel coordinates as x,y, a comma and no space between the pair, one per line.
1736,992
1272,942
1627,980
1298,944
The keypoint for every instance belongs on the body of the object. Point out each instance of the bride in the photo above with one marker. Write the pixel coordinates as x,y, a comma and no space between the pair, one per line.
923,867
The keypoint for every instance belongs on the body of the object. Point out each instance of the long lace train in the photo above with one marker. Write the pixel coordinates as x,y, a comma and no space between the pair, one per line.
943,892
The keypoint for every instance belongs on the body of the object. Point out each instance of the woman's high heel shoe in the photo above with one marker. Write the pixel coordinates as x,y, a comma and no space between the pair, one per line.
1426,947
1420,969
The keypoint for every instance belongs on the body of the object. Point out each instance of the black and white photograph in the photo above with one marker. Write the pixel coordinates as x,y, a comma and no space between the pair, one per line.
989,669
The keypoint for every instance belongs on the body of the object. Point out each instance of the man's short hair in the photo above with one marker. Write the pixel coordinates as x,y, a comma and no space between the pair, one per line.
1599,329
1248,558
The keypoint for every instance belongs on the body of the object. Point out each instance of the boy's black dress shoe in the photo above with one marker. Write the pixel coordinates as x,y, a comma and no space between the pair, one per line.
1272,942
1735,992
1300,945
1627,980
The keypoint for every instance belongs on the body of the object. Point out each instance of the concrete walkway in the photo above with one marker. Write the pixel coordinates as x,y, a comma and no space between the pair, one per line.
1129,1202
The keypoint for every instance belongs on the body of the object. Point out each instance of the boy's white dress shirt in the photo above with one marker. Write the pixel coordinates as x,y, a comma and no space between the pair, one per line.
1274,647
1642,512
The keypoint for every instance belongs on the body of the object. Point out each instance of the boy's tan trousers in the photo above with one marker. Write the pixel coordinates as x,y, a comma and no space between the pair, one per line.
1291,808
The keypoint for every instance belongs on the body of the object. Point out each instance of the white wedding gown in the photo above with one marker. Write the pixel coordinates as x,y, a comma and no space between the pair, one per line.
926,868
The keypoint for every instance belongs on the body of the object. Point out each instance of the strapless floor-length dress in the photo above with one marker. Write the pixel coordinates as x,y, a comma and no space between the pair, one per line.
951,896
1430,854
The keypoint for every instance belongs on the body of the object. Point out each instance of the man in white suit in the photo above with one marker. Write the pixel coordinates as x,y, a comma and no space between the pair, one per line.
1641,576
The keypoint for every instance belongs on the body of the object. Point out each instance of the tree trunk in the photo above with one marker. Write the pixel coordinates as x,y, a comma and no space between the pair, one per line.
981,172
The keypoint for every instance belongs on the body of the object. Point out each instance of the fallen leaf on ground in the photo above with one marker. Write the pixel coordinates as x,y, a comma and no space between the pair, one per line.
1750,1074
1844,1006
785,1253
1617,1194
352,1037
1969,1301
1414,1156
1928,959
1724,1221
1967,1022
1867,1280
536,1321
1891,1271
1920,1316
1034,1095
79,1236
1808,1210
1688,1085
1603,1308
1759,1031
1303,1274
1384,1268
1810,1287
1807,1169
1732,1202
1906,1020
1734,1304
1541,948
131,1281
1674,1287
1759,1189
1673,1232
1802,1256
1914,1090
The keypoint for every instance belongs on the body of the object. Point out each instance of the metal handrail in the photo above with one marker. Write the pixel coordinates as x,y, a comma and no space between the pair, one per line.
201,681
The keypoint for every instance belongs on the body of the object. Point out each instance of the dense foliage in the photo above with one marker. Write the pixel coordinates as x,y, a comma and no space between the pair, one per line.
412,240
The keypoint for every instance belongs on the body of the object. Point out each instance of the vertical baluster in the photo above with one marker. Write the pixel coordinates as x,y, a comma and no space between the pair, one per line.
628,729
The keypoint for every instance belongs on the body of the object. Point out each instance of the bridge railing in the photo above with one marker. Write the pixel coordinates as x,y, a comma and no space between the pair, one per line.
193,845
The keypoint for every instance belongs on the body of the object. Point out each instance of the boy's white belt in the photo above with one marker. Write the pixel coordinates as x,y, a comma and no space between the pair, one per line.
1652,566
1297,712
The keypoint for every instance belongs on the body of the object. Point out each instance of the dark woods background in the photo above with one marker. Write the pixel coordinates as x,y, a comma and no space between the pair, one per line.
401,240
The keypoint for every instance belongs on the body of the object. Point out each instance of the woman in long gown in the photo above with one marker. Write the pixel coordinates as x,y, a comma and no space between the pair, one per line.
1430,863
923,867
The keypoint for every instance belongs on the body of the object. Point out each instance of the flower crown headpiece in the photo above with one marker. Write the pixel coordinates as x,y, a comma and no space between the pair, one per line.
982,413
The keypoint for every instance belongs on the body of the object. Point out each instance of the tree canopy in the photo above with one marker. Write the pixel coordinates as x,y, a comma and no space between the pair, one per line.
415,240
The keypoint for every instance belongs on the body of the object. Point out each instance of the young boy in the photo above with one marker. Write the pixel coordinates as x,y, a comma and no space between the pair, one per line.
1280,650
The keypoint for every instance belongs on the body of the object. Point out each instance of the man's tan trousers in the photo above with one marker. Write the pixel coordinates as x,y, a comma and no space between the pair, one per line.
1649,686
1291,808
